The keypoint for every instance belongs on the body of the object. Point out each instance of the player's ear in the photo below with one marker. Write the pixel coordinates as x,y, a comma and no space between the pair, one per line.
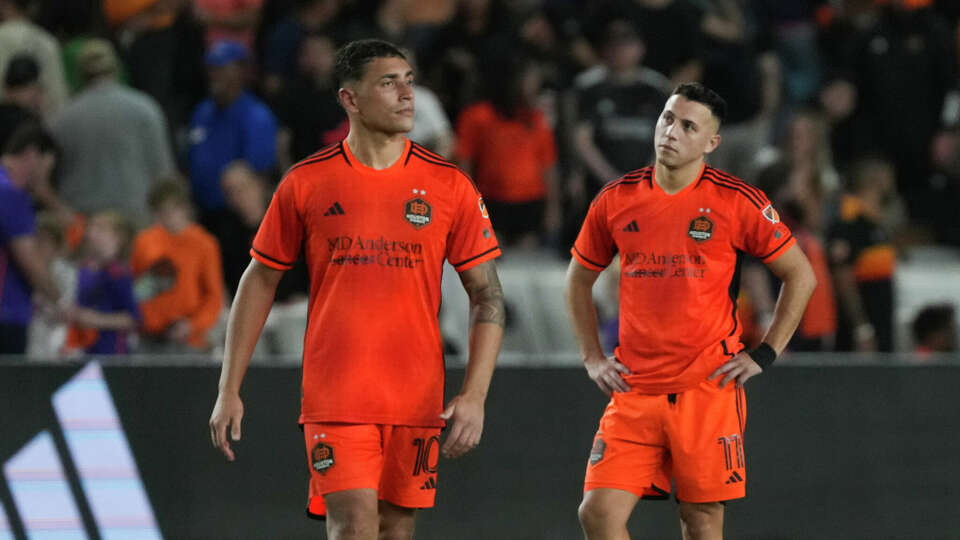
348,99
713,143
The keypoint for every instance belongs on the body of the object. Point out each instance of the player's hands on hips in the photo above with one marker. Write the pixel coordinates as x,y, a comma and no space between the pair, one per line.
227,414
465,412
607,373
740,368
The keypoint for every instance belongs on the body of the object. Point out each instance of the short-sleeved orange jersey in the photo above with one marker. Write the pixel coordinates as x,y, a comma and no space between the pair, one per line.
680,260
374,243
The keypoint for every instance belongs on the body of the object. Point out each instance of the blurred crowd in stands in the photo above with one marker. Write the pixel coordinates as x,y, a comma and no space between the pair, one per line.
142,139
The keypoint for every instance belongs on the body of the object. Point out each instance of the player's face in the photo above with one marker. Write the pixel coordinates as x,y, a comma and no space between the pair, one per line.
383,98
686,131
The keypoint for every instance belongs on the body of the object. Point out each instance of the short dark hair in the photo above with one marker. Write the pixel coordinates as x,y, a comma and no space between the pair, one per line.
701,94
22,70
30,134
170,188
352,58
932,319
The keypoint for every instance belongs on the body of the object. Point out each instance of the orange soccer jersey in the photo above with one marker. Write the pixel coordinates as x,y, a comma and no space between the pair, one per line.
680,258
375,242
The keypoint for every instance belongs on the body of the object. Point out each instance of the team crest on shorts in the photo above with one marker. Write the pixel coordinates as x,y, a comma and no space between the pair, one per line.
417,212
596,453
701,229
321,458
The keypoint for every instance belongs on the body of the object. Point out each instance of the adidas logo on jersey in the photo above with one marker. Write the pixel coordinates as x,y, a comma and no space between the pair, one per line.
431,483
734,478
632,227
335,210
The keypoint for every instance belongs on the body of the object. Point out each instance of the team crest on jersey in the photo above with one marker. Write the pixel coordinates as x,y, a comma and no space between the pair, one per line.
771,214
417,212
701,229
321,458
596,453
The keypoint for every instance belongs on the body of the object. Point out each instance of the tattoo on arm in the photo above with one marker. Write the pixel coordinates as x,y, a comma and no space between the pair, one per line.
486,295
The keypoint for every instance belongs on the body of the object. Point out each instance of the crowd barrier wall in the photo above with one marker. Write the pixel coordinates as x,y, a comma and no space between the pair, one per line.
832,452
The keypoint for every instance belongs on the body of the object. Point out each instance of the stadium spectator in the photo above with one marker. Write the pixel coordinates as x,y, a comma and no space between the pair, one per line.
863,260
738,69
234,20
162,49
618,106
454,58
18,34
285,38
906,56
247,199
431,125
801,169
943,190
818,327
934,330
671,31
114,140
792,29
307,109
507,146
27,160
47,332
179,275
230,124
22,95
104,313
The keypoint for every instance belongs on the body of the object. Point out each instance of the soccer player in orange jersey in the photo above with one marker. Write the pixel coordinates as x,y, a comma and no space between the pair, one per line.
376,216
681,229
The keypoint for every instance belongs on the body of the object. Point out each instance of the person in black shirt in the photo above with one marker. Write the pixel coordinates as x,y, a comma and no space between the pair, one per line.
22,95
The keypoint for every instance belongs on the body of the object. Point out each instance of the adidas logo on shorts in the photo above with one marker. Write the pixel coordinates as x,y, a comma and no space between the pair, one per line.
431,483
734,478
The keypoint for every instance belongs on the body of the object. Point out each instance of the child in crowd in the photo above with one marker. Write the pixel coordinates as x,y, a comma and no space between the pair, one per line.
105,313
47,333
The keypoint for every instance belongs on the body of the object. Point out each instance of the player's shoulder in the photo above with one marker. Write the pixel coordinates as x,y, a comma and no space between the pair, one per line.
730,189
322,161
626,185
435,165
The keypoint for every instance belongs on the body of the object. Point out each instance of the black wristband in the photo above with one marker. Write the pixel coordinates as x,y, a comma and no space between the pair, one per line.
764,355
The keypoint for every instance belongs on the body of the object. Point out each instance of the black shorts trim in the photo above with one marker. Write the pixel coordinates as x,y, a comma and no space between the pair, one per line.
315,517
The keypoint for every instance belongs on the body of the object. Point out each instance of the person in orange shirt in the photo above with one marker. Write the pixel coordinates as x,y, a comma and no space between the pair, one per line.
375,215
515,169
681,229
179,276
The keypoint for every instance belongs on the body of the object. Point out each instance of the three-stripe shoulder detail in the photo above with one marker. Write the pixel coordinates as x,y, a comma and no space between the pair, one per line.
724,180
322,155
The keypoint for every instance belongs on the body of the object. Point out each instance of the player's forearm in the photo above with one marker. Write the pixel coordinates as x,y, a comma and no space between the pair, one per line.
485,339
487,319
106,321
583,315
249,312
797,288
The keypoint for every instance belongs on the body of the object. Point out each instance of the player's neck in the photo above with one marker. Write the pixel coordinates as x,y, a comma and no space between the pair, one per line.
375,149
674,179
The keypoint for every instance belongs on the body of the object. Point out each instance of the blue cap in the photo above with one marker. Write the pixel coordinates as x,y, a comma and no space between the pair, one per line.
223,52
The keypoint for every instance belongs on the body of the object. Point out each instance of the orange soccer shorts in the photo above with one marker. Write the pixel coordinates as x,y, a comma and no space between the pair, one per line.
694,438
400,462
